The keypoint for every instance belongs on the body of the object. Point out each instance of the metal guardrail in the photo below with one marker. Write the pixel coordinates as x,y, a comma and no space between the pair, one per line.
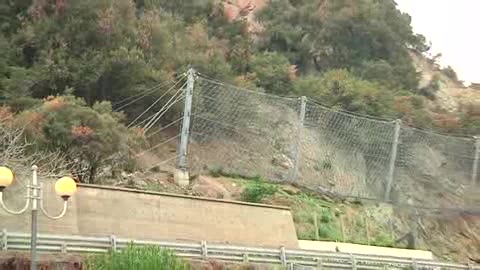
292,258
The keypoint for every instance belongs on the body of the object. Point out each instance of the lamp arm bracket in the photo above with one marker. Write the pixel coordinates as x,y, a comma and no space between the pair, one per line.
64,210
13,212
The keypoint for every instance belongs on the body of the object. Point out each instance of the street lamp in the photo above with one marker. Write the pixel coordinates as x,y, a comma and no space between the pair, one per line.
65,187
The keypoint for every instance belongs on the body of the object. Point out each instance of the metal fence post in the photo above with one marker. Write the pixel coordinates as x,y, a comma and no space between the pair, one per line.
204,250
245,257
354,262
393,158
298,138
414,264
4,239
476,159
113,243
187,112
283,256
182,177
319,264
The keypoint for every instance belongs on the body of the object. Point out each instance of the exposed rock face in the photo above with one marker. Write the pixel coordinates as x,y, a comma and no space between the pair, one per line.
244,9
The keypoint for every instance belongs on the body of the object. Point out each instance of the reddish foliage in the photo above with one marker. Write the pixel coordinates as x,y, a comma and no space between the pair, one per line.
106,21
404,106
5,113
60,7
292,73
54,103
82,132
446,121
34,120
140,132
233,11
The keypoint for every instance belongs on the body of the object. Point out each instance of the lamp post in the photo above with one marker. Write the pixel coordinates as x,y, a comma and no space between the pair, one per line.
64,187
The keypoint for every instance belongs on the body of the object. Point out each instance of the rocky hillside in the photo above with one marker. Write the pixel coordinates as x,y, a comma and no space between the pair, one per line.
452,96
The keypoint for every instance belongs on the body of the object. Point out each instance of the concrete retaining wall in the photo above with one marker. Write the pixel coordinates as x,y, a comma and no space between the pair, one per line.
100,211
366,250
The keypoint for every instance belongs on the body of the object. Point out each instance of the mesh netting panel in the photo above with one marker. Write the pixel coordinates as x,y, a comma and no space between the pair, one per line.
247,133
434,164
345,154
242,132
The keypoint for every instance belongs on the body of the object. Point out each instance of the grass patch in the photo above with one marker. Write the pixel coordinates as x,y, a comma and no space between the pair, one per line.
138,258
383,239
306,207
257,190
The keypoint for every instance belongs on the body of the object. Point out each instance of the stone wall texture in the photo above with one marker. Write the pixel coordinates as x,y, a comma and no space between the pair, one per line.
103,211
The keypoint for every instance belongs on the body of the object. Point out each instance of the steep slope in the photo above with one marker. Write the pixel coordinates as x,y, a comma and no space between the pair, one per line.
452,95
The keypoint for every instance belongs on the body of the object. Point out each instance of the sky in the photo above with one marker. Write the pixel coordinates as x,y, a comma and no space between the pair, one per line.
453,28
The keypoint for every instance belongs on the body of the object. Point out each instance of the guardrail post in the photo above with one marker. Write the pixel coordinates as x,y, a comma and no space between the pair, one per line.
354,262
319,263
4,239
204,250
283,256
113,243
245,257
470,266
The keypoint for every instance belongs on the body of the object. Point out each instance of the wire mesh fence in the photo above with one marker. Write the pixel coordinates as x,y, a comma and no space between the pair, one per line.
232,131
248,133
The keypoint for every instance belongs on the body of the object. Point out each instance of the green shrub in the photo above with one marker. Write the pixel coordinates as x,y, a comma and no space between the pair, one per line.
138,258
216,172
329,232
257,190
383,239
326,216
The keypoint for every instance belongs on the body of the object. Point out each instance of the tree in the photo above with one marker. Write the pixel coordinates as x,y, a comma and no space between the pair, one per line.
90,135
341,89
411,110
330,34
470,118
11,14
272,72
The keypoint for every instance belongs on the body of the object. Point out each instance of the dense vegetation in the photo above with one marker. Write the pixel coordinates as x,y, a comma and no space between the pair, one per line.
63,62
